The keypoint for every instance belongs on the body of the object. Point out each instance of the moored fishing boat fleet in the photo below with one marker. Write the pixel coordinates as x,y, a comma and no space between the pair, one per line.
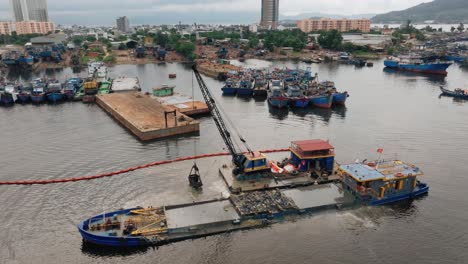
285,88
43,90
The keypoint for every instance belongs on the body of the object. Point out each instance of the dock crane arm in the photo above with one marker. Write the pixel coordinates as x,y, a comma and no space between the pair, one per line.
237,156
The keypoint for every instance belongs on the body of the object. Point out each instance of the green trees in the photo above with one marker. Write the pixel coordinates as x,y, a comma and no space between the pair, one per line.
461,27
185,48
161,39
286,38
330,39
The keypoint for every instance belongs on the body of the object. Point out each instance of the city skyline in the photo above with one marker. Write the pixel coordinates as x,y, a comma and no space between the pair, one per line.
29,10
87,12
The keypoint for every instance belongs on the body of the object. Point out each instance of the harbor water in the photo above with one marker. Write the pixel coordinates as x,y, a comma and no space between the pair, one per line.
399,112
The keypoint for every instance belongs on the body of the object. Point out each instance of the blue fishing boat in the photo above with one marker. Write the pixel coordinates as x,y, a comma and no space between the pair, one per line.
23,97
296,97
37,95
322,100
382,182
8,95
339,98
457,93
54,93
276,95
229,88
245,87
417,64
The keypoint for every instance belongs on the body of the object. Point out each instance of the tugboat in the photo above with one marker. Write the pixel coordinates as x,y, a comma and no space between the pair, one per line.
276,96
382,182
417,64
229,87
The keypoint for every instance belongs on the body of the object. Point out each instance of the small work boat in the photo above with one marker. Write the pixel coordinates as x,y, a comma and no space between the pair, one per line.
37,95
229,88
54,92
245,87
260,88
458,93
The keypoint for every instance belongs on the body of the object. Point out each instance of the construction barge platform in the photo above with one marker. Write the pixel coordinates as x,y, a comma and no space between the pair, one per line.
362,183
145,117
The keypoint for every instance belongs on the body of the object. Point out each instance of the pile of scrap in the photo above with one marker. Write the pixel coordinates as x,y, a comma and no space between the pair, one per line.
261,202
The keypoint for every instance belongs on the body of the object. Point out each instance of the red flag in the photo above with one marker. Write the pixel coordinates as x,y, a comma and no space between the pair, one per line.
380,150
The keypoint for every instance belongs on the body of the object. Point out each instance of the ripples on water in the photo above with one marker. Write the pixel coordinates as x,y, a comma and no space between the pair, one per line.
397,111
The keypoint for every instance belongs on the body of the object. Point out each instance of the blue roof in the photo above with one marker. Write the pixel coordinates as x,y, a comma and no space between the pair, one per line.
387,170
362,172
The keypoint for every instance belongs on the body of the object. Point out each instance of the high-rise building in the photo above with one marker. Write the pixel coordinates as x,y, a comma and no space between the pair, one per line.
270,14
30,10
123,24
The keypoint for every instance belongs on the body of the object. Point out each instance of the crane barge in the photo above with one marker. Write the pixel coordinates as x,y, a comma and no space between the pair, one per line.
248,162
266,200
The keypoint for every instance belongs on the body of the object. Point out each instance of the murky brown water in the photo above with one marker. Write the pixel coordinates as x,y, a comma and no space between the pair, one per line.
400,112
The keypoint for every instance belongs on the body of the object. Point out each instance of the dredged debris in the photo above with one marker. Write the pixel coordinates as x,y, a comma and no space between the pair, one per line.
272,201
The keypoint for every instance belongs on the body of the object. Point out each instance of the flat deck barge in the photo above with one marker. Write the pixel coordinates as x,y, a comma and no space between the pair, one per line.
145,117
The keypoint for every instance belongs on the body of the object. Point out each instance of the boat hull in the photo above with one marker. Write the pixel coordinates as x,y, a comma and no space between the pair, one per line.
37,99
229,90
322,101
340,98
54,97
7,99
279,102
23,98
420,190
453,94
435,68
300,102
69,95
260,92
244,92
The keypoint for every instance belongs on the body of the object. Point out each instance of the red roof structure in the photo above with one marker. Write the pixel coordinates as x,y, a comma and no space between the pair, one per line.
312,145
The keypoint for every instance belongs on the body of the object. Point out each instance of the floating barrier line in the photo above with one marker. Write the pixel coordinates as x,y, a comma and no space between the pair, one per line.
123,171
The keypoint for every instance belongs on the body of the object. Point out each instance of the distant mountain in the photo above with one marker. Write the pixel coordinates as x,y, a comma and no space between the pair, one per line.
320,15
439,11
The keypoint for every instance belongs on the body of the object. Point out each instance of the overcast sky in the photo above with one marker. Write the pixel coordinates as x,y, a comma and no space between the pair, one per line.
206,11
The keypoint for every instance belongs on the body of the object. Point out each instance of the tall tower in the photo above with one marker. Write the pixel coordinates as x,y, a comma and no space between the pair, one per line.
270,14
27,10
123,25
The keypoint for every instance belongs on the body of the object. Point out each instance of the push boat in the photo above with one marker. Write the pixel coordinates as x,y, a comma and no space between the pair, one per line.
457,93
261,192
417,64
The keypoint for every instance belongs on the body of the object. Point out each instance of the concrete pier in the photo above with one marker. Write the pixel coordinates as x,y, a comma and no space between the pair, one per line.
145,117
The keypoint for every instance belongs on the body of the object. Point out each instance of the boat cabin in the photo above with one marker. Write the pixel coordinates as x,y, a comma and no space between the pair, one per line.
255,161
313,155
379,182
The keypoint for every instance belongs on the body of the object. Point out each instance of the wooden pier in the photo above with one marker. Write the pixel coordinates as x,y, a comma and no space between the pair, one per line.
145,117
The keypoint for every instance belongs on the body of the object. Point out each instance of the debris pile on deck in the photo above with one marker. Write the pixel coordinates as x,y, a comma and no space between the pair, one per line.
259,202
